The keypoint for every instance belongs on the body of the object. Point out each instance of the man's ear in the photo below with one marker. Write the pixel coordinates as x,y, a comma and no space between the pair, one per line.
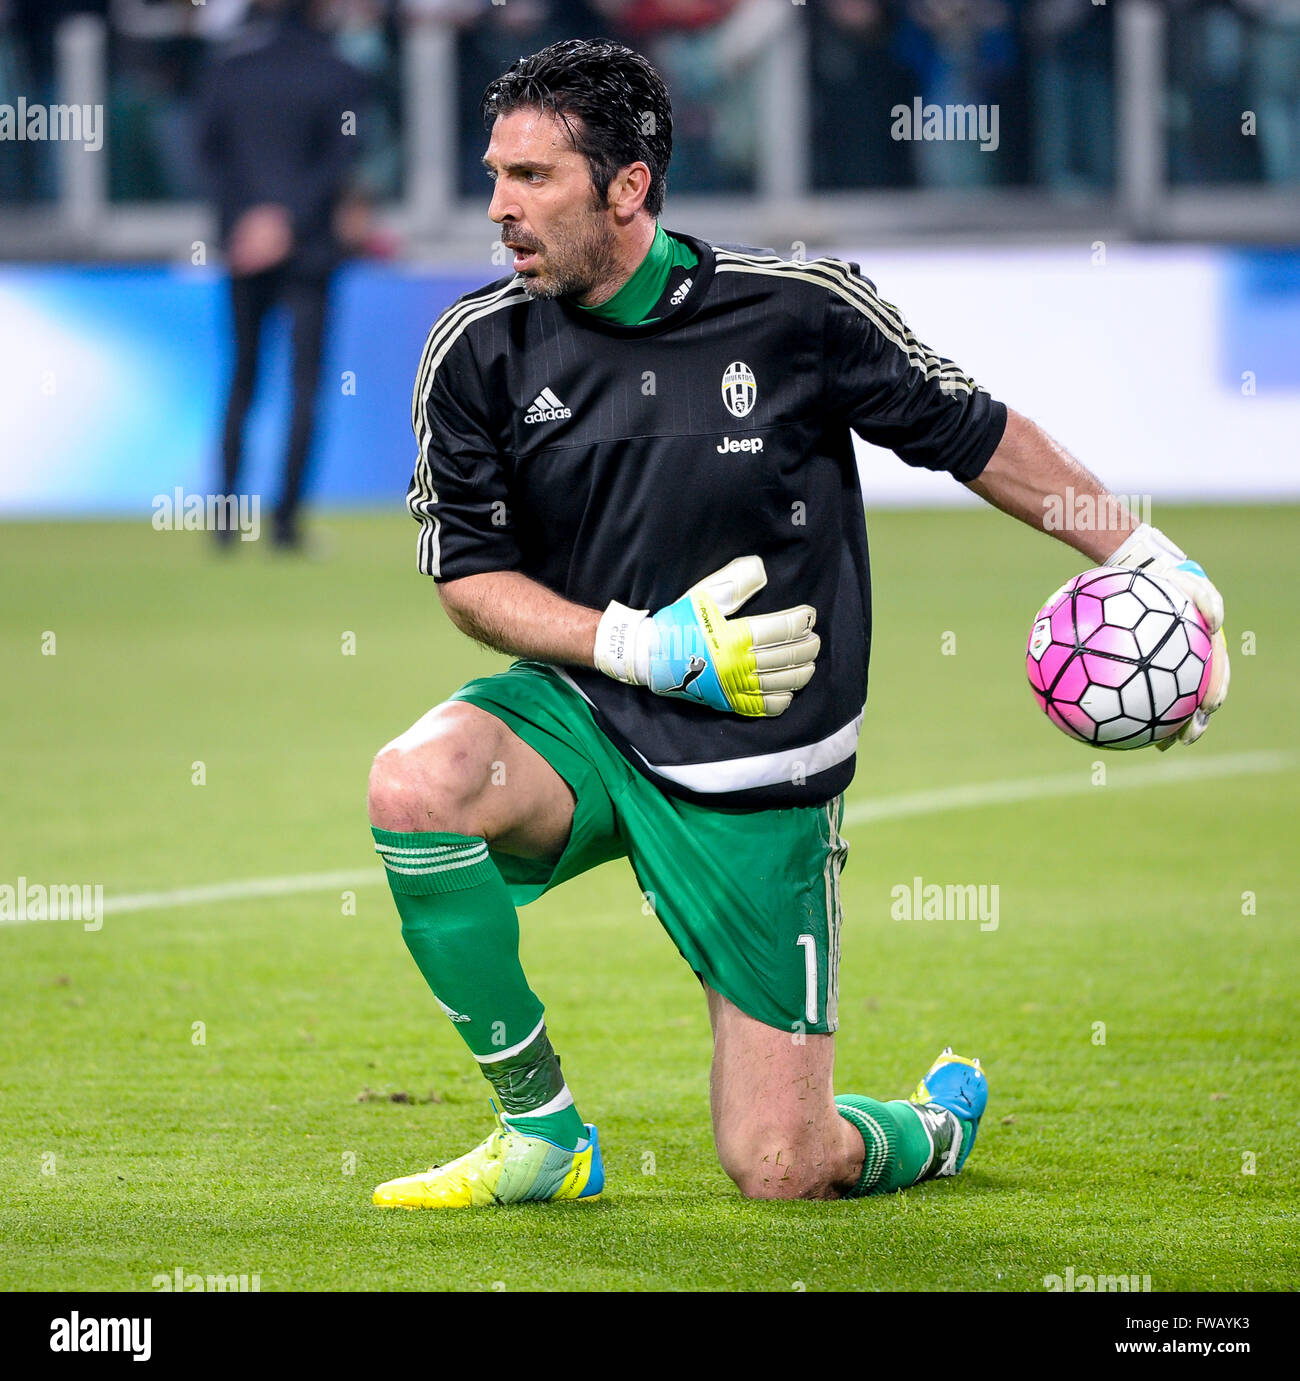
629,188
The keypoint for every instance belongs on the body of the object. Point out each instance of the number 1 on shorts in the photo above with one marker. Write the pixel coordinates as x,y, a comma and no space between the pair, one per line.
809,944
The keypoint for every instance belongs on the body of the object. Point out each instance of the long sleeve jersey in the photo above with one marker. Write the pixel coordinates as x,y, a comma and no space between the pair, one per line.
615,462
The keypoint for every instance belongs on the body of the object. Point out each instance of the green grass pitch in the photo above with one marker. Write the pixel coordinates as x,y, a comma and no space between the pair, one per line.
1162,1143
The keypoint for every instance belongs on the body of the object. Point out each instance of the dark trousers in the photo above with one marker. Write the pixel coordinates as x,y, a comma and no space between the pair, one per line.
304,298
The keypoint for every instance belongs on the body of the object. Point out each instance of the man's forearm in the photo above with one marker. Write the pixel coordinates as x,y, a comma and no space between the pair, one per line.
515,614
1036,480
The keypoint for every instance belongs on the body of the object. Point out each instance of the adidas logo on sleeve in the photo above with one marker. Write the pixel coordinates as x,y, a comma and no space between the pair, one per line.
546,407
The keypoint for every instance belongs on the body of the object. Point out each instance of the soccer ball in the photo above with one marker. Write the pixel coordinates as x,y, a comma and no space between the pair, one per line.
1118,659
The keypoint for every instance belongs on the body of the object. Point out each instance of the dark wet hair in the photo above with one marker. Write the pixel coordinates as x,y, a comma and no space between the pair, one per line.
618,99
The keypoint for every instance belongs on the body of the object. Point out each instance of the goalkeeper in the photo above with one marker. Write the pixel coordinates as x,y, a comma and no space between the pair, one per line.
635,474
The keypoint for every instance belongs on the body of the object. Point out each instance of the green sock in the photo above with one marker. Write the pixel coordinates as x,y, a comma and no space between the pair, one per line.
463,932
899,1151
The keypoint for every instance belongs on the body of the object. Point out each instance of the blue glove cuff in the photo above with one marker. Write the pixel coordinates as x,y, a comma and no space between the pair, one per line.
679,664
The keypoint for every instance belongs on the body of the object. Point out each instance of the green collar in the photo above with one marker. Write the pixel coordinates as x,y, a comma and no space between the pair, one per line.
632,303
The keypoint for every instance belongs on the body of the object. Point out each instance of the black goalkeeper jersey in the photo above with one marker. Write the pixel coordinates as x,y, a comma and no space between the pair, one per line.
628,462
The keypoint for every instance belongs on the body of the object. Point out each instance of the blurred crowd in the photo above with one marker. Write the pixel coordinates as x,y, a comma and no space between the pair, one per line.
1047,65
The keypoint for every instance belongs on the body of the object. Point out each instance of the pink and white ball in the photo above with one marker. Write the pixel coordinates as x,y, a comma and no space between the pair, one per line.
1118,658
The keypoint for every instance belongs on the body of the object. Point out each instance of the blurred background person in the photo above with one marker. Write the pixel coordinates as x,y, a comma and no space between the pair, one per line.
1273,83
857,80
706,51
960,52
365,36
27,69
1071,47
1207,46
489,38
278,136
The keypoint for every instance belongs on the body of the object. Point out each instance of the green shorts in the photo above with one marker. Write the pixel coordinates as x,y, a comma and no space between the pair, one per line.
750,898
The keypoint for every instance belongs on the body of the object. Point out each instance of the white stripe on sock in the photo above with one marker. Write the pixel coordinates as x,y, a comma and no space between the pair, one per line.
562,1100
439,868
514,1049
442,850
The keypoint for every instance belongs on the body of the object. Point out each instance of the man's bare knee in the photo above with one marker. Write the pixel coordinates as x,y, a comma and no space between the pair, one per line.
781,1163
431,777
780,1172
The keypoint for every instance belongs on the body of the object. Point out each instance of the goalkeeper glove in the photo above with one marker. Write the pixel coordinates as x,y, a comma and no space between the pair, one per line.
1148,549
691,650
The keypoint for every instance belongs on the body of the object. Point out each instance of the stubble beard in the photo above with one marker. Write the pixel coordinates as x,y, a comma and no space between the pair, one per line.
574,265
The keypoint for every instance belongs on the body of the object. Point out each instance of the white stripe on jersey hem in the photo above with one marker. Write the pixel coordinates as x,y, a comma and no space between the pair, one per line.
763,769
